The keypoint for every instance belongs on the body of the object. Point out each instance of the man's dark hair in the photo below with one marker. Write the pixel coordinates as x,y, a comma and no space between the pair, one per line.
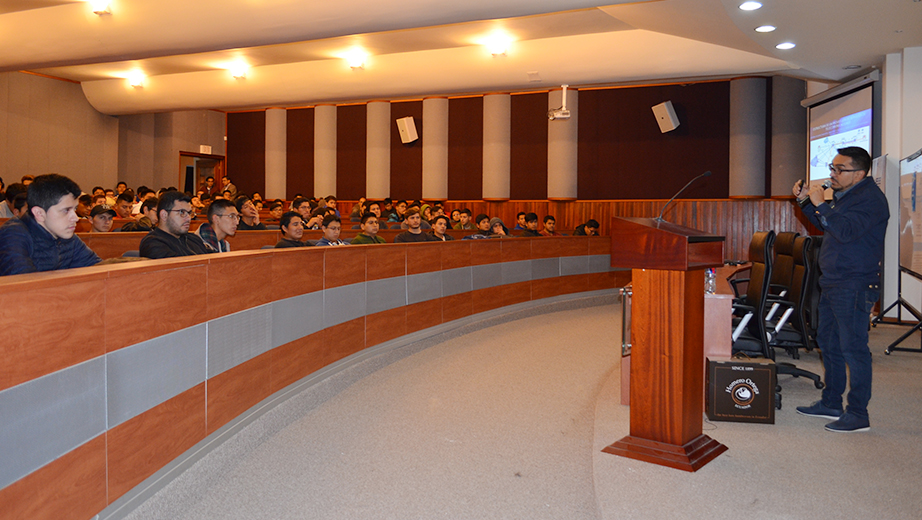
329,219
240,201
85,199
150,204
285,220
859,156
100,188
15,189
388,200
275,204
400,202
28,178
209,177
142,191
297,203
20,202
442,217
413,211
127,196
330,198
369,204
119,183
47,190
592,223
217,205
549,217
170,198
480,218
531,217
467,211
367,216
520,214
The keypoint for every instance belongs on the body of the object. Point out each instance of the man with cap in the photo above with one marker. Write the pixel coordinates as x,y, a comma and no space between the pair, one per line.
101,219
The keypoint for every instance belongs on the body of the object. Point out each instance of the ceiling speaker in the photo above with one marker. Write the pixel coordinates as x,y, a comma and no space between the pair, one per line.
665,117
407,128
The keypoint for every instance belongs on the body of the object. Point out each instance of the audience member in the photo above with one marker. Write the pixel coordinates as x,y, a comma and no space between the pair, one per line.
222,223
455,218
226,195
98,190
331,227
590,228
483,223
6,207
147,218
110,197
358,209
374,208
99,200
43,239
303,207
208,187
228,187
497,228
400,212
27,179
171,237
101,219
414,232
275,212
369,234
439,228
531,226
84,205
519,221
144,193
123,205
249,215
464,220
20,205
121,187
550,226
331,203
292,230
387,209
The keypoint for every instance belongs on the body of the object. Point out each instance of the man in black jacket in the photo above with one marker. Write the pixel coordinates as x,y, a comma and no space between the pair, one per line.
171,237
853,225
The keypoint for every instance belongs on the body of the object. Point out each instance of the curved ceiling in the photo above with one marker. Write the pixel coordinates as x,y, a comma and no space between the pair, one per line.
416,48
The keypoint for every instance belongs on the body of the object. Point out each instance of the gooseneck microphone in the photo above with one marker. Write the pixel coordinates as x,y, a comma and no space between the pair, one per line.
660,217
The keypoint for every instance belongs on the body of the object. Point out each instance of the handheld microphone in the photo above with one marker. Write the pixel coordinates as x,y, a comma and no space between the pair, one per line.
660,217
827,184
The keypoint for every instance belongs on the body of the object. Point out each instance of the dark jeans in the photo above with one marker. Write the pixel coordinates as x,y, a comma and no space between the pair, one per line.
842,335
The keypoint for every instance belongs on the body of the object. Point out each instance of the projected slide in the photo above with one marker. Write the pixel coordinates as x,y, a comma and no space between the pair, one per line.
825,139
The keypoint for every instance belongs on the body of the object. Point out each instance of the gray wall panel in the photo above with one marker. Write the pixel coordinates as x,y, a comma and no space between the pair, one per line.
515,272
384,295
486,276
570,265
545,268
599,263
296,317
149,373
341,304
456,281
424,287
238,337
47,417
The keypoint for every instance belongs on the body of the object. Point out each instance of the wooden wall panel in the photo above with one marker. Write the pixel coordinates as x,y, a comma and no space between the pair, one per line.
528,143
406,159
300,152
246,150
465,148
619,137
351,150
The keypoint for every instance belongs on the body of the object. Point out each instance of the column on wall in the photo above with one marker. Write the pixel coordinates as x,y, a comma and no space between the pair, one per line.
324,150
562,147
747,137
435,148
276,152
789,134
497,109
378,150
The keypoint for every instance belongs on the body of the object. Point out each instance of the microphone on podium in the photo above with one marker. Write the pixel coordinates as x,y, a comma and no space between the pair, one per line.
660,217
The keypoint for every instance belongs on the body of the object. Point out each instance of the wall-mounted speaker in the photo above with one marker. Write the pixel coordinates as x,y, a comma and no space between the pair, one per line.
665,117
407,128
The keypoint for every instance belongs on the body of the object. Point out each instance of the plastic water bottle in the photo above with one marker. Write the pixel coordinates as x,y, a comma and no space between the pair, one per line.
710,280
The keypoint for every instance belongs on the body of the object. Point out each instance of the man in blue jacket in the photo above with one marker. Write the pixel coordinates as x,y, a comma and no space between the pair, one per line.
853,225
43,240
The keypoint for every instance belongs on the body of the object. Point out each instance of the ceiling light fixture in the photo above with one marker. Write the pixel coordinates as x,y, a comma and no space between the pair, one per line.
765,28
497,44
785,46
750,6
100,7
356,58
239,70
136,79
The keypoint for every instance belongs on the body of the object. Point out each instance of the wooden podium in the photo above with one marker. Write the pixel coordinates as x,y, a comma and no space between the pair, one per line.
667,263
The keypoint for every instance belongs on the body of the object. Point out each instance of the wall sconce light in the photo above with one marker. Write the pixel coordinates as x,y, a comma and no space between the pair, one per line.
136,79
100,7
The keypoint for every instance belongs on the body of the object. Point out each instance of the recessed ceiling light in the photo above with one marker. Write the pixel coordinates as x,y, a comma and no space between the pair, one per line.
785,46
765,28
750,6
851,67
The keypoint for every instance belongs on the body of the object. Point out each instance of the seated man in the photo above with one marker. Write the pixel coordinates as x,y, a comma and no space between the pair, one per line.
550,227
497,228
369,234
316,217
292,230
222,223
331,226
171,237
6,207
374,208
590,228
21,205
519,221
249,215
123,205
101,219
84,206
439,227
531,226
399,213
275,212
228,189
330,201
483,224
414,232
43,239
147,218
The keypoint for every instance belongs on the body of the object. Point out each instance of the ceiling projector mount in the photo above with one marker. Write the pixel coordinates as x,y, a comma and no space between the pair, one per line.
562,112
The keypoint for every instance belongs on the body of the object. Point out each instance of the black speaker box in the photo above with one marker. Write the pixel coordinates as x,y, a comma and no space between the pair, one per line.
741,390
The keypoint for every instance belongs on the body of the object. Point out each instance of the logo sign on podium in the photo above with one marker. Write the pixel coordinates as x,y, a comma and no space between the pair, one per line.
741,390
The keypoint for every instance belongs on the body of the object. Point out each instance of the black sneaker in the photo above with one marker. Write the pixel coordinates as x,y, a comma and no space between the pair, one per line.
818,409
849,423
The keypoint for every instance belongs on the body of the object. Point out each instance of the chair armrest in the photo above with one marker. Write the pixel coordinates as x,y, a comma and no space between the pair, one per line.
733,283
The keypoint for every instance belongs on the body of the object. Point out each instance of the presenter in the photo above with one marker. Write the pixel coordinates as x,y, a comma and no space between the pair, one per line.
853,226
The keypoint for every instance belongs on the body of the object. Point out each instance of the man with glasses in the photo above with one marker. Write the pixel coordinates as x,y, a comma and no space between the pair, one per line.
171,237
853,225
222,223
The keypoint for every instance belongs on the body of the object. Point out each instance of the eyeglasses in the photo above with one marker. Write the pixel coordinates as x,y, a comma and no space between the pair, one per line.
838,169
233,216
182,212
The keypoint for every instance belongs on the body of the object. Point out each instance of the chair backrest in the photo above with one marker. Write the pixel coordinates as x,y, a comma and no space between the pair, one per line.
783,265
761,254
803,272
812,298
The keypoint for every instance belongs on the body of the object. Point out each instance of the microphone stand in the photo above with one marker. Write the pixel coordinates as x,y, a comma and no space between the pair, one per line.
660,217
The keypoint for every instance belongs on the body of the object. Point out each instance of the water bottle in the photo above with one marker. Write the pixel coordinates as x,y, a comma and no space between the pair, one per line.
710,280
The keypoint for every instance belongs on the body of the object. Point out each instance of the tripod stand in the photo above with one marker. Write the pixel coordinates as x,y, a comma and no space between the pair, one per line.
900,303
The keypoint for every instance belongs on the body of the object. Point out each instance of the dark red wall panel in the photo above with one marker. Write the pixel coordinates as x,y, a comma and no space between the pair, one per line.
246,150
300,152
351,150
465,148
406,159
528,144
